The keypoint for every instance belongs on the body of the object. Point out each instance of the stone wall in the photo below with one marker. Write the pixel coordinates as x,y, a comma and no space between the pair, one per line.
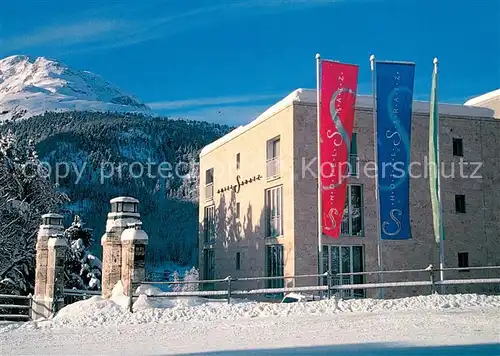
475,232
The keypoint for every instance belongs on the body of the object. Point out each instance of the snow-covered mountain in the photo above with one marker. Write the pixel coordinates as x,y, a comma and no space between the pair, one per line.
30,87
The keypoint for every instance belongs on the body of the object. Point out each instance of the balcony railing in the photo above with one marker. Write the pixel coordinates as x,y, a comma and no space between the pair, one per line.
273,168
209,191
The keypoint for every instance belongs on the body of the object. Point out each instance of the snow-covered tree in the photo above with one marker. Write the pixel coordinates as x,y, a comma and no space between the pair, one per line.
188,170
82,269
191,276
175,278
25,195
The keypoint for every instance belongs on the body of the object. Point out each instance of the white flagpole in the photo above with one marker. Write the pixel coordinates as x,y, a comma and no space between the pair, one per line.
320,208
375,152
441,234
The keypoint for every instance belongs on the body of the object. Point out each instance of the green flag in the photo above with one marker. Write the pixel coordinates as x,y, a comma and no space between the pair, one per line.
434,171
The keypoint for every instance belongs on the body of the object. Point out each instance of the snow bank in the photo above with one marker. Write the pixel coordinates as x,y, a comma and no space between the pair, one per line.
96,312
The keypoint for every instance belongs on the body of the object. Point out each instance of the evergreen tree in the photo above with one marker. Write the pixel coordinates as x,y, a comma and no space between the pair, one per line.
82,269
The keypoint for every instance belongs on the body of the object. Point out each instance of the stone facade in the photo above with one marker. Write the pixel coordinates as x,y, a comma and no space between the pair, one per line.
49,273
55,271
133,242
123,214
474,232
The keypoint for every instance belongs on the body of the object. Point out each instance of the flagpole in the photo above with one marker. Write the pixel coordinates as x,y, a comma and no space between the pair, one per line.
375,150
441,234
320,210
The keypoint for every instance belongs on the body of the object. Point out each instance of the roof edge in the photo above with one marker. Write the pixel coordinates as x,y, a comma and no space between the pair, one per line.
308,96
482,98
296,95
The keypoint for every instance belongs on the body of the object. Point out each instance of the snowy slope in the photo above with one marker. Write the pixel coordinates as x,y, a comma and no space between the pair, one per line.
30,87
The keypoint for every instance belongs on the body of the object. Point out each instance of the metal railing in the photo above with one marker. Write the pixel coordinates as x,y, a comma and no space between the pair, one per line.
273,167
74,295
334,284
432,282
12,303
22,306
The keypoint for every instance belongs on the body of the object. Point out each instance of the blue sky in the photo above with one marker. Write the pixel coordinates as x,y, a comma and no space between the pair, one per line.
227,61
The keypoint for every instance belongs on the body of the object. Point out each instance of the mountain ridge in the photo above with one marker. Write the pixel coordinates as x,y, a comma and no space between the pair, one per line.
33,86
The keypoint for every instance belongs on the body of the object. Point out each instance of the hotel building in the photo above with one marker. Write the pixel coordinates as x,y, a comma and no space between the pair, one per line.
258,198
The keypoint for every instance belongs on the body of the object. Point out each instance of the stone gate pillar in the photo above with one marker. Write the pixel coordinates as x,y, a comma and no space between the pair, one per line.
43,297
124,211
134,242
55,271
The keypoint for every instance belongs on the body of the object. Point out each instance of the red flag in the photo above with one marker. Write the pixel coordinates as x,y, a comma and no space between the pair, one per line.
338,97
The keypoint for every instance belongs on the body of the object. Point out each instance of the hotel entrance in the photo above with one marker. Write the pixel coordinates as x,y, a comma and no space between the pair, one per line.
345,259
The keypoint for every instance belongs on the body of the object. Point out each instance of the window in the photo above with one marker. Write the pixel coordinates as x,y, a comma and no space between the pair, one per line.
273,158
209,184
352,220
52,221
209,224
237,161
353,156
274,265
460,203
139,253
209,176
274,211
129,207
238,261
463,260
124,207
208,264
238,210
344,259
458,147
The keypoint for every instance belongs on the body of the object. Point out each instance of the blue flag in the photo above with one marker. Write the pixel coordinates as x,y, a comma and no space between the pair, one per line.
394,109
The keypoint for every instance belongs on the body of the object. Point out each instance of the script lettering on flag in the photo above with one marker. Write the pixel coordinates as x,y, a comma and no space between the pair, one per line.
394,110
338,98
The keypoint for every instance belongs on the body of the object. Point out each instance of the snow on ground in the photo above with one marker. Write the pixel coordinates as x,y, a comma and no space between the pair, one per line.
190,325
97,312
